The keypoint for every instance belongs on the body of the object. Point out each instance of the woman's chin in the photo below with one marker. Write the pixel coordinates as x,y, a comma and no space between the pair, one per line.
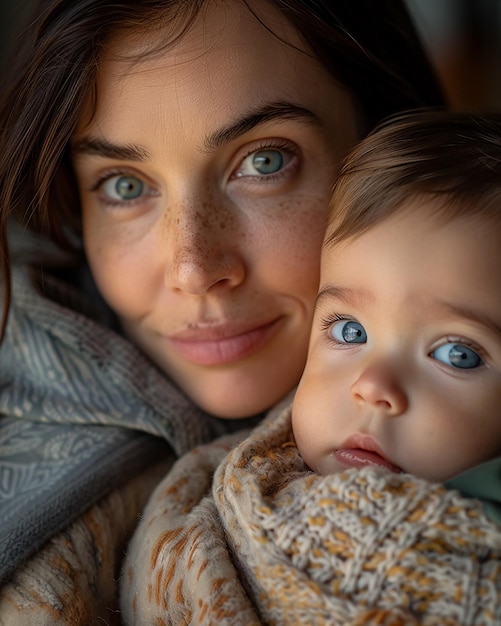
234,396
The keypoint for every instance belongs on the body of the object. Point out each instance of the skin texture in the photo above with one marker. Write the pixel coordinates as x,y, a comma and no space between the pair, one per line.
213,267
417,284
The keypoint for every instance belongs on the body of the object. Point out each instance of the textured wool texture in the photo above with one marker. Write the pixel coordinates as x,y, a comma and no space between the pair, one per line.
253,537
84,417
71,581
82,412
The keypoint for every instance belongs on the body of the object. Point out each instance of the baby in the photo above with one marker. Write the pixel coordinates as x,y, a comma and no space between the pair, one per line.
404,364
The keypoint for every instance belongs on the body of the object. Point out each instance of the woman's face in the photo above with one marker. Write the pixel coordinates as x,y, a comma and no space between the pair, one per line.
204,178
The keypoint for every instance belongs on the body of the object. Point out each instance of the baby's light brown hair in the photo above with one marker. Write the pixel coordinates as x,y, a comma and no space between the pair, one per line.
453,157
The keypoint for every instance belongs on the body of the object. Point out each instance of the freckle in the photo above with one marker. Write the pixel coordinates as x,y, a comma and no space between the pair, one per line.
202,219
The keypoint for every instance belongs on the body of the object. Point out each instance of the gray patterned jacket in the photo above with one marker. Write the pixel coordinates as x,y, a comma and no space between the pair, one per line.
81,412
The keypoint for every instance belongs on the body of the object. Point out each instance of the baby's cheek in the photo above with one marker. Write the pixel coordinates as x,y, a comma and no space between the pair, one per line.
302,426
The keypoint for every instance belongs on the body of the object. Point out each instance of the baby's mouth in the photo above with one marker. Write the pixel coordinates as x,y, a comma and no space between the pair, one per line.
359,457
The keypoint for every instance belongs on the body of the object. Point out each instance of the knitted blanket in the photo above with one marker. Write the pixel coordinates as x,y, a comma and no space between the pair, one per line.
253,537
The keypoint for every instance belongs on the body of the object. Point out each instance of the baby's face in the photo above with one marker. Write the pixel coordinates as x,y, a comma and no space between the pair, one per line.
404,365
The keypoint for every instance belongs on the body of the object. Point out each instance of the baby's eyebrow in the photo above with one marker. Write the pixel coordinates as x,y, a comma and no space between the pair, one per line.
272,111
345,295
468,313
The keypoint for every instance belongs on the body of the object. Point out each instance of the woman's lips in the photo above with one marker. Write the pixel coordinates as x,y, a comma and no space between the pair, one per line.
222,344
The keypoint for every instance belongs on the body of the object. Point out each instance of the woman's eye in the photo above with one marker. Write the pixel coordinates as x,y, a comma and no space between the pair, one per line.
457,355
264,163
348,331
124,188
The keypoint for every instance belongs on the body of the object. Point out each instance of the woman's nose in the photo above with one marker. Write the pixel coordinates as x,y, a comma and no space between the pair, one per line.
378,386
205,251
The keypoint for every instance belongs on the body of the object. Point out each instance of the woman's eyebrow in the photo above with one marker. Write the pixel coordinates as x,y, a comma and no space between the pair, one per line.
273,111
104,148
131,152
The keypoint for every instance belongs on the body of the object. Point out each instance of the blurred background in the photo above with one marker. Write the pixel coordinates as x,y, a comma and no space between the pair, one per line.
463,38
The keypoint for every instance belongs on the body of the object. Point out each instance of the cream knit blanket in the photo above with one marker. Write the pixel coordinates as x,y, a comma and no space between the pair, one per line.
253,537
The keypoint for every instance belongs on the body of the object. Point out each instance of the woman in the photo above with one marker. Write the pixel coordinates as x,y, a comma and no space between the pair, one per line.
184,153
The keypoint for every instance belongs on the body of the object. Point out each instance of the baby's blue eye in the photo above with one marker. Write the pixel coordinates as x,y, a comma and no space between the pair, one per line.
457,355
123,188
267,161
348,331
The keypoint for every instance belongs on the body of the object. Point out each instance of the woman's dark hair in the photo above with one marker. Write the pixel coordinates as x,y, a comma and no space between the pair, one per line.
453,158
369,45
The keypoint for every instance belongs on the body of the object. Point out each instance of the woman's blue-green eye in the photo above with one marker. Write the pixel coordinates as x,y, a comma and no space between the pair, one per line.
348,331
267,161
457,355
262,163
123,188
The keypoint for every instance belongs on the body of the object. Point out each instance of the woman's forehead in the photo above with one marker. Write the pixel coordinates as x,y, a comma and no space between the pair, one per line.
226,64
226,54
224,26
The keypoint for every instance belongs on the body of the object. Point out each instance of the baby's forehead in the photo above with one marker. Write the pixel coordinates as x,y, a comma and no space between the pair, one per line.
435,222
351,216
417,267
